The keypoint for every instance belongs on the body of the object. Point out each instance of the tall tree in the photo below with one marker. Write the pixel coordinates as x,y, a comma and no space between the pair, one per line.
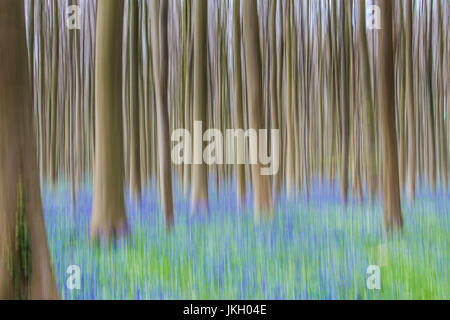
290,147
431,107
262,199
25,269
134,149
159,21
368,103
345,103
273,83
392,211
54,94
199,192
411,183
237,74
108,208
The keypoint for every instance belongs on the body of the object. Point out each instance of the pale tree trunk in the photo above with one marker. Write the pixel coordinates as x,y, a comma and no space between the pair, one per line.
108,209
411,176
431,121
199,191
54,94
368,104
345,107
273,85
306,98
237,74
392,212
262,199
290,149
442,137
188,116
25,269
135,176
188,65
159,22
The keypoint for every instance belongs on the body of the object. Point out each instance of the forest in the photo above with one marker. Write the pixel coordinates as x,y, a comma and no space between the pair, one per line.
224,149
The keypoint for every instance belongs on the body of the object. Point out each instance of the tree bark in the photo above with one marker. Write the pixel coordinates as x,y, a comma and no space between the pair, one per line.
135,163
261,184
25,269
199,191
411,183
273,83
108,208
392,214
159,14
368,104
237,74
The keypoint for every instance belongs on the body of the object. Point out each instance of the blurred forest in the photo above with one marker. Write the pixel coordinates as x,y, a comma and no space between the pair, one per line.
360,110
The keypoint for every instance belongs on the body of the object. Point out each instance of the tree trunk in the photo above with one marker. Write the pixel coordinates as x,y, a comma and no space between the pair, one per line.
135,168
411,183
273,85
54,94
392,214
159,21
25,269
108,208
199,192
261,184
237,74
368,104
290,152
345,103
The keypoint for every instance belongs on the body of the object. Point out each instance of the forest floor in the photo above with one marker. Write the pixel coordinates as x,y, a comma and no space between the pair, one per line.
311,250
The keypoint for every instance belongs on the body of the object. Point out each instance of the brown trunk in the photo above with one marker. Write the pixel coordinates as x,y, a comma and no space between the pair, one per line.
135,164
237,73
108,208
411,183
261,184
25,269
273,84
160,69
199,192
392,214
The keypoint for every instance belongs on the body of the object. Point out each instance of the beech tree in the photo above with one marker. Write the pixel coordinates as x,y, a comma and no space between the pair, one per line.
25,269
160,68
392,211
262,195
199,186
108,209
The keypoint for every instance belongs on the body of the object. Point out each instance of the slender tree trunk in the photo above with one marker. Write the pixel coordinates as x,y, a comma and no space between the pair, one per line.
290,152
273,85
135,164
261,184
159,21
345,103
368,104
431,109
108,208
237,74
411,183
392,212
199,192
